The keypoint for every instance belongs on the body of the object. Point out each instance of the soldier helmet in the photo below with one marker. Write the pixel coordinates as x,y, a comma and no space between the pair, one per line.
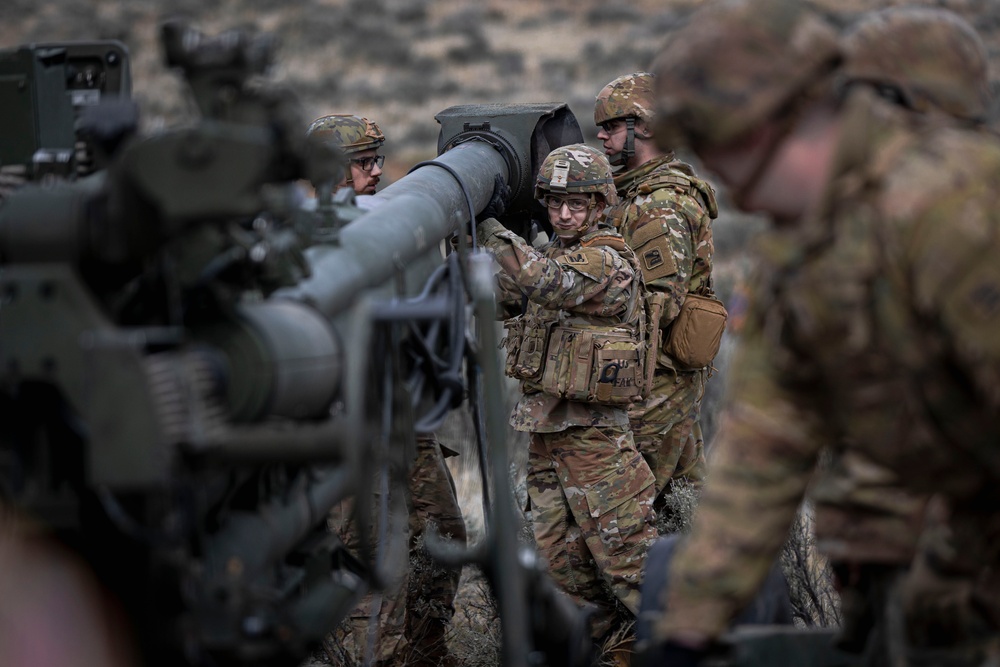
927,58
577,168
627,96
736,65
351,134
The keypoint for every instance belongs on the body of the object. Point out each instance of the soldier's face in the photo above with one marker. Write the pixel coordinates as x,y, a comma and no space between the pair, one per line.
570,225
613,133
363,181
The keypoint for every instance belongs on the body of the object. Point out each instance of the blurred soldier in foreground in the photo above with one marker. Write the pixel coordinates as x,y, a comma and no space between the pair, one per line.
929,61
574,343
414,633
665,214
874,323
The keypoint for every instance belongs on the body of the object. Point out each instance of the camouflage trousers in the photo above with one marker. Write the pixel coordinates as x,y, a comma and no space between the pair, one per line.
418,604
591,497
667,429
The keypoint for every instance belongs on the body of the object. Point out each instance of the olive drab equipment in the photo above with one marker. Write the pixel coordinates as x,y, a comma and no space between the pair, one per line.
571,357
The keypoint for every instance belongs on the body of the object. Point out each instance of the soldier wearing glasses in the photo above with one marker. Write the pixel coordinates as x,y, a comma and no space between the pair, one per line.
412,633
591,493
360,139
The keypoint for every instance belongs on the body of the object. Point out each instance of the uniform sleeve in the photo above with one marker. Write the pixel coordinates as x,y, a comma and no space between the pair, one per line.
671,236
509,295
763,460
593,280
940,244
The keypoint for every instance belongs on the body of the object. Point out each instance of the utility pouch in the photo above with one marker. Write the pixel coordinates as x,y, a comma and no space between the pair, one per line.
696,333
526,343
595,366
511,343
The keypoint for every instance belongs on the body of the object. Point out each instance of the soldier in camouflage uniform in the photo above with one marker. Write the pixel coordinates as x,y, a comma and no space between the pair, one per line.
664,213
874,323
928,61
360,139
416,611
590,491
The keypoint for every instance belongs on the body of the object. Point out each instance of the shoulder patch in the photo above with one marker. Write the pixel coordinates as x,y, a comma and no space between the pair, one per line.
590,262
652,249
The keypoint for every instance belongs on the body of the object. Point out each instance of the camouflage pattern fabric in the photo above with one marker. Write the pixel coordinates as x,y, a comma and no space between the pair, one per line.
415,611
935,61
590,490
628,95
349,133
872,327
664,218
592,515
593,282
931,57
864,514
585,171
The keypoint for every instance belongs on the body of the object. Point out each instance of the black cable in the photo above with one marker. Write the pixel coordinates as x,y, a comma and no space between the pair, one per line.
465,191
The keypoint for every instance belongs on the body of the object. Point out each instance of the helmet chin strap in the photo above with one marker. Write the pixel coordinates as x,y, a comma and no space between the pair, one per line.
628,150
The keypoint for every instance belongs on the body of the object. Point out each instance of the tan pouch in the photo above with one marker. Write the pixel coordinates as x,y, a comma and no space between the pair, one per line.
594,366
532,344
696,333
511,343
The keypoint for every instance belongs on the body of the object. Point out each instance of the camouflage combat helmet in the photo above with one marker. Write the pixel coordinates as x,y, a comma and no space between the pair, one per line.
927,58
737,64
575,169
629,97
351,134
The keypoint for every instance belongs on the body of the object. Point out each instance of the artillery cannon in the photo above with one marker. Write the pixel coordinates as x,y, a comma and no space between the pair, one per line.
194,370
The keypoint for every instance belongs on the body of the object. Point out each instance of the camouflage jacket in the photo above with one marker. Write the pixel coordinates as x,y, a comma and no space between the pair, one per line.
665,214
556,281
875,325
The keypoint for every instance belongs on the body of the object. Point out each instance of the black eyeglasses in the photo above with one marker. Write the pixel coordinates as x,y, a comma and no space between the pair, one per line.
368,163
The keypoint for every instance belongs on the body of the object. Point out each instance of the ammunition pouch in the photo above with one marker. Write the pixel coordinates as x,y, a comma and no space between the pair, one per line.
595,365
526,343
696,333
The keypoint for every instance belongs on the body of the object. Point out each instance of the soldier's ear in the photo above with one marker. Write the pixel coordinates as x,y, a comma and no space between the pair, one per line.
643,129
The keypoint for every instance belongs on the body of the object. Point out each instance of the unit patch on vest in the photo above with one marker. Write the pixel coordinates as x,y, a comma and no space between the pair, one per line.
577,258
655,258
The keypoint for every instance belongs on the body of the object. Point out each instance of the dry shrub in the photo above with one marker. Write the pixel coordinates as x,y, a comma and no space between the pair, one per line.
475,638
815,602
677,511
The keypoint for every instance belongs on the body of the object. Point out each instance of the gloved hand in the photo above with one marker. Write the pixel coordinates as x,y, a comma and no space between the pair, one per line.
498,202
669,654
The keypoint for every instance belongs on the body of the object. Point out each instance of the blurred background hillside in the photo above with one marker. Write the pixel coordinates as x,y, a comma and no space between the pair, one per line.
401,61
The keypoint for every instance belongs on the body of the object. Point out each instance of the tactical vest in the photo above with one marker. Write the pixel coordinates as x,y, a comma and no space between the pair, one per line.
692,339
569,356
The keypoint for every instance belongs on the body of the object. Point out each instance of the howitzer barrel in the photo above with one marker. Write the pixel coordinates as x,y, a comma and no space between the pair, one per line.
418,212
